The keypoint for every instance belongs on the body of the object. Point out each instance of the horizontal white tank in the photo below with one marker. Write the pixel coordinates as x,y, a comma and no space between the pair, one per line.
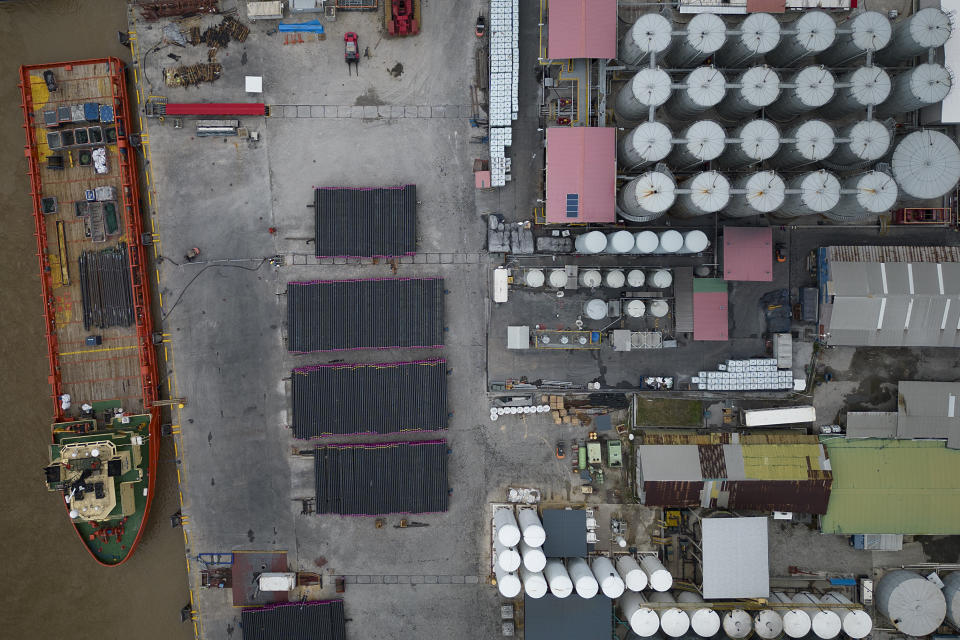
610,581
530,527
914,35
647,88
508,558
765,193
558,278
533,558
661,279
703,88
866,31
813,141
926,164
615,279
671,241
767,624
647,197
951,593
815,192
535,278
508,533
633,576
584,582
703,141
866,87
752,142
737,624
825,623
758,87
704,621
642,619
658,309
708,192
874,192
557,578
759,34
590,278
620,242
636,308
646,242
695,241
658,576
651,33
591,242
595,309
855,621
867,141
913,604
647,143
701,38
674,621
534,583
508,582
812,88
813,32
923,85
796,622
636,278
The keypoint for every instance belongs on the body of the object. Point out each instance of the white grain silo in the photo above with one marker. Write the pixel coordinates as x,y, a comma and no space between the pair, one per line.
557,578
635,279
759,34
636,308
916,88
647,143
701,38
703,88
706,192
695,241
658,309
758,87
814,193
661,279
926,164
647,88
855,621
767,624
737,624
811,141
764,193
810,88
865,87
913,604
866,31
866,141
508,582
530,527
660,579
584,582
633,576
796,622
508,533
704,621
590,278
867,195
671,241
592,242
620,242
914,35
647,242
610,581
533,558
615,279
702,141
651,33
674,621
534,584
642,619
558,278
507,558
951,593
811,33
753,142
534,278
595,309
647,197
825,623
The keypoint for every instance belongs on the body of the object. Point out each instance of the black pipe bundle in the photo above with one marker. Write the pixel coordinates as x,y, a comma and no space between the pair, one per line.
105,287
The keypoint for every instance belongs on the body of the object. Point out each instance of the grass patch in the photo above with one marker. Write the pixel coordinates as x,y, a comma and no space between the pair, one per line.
668,412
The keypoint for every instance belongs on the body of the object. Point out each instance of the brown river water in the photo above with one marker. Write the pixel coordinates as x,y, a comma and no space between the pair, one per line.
52,588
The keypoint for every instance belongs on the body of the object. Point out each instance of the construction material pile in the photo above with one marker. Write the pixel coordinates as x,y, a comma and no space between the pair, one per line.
220,35
105,288
194,74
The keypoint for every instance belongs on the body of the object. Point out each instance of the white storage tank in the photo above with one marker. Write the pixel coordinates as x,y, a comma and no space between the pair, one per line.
620,242
812,88
508,533
796,622
558,278
703,88
855,621
926,164
674,621
813,141
708,192
868,194
591,242
916,88
557,578
636,308
737,624
642,619
767,624
813,32
866,87
534,278
951,593
759,88
867,141
914,35
702,37
595,309
824,622
508,558
647,143
508,582
695,241
635,278
759,34
704,621
615,279
633,576
530,527
646,242
815,192
658,576
661,279
765,193
583,580
913,604
647,197
533,558
671,241
647,88
590,278
610,581
750,143
534,584
703,141
866,31
651,33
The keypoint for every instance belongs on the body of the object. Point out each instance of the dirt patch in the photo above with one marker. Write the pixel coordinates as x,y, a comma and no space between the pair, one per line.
666,412
945,549
397,70
369,98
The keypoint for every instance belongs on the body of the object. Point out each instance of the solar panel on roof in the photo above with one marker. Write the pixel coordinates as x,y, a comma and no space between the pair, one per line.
573,205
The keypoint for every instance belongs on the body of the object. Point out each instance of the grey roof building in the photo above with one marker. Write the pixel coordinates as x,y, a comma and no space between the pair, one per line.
925,410
735,563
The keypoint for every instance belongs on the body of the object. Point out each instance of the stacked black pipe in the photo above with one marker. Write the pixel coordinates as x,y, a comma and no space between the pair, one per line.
295,620
105,288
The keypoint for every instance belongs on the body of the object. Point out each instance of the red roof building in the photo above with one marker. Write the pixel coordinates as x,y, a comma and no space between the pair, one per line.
582,29
710,309
748,254
581,174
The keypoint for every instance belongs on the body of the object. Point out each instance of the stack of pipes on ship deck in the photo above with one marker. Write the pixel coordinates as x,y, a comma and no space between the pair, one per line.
105,288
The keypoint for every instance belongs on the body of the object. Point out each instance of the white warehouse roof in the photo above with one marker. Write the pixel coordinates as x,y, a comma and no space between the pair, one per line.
735,561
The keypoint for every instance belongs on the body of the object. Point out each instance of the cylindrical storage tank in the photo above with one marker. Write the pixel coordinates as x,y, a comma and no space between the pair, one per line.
508,582
951,593
583,581
796,622
926,164
866,142
647,197
647,88
813,32
756,141
534,278
816,192
695,241
674,621
508,533
661,279
620,242
812,88
737,624
530,527
659,309
702,37
636,278
767,624
671,241
703,141
914,35
508,558
534,584
592,242
704,621
913,604
610,581
867,87
557,578
658,576
709,192
916,88
703,88
812,142
759,34
868,31
759,88
646,242
765,193
642,619
633,576
558,278
649,142
636,308
855,621
595,309
651,33
875,192
590,278
825,623
533,558
615,279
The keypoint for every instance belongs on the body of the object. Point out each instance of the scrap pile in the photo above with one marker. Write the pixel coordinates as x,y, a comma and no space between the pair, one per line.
220,35
185,76
563,415
156,9
105,288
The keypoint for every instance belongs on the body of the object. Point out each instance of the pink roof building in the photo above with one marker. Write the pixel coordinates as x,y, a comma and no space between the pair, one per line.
581,174
748,254
710,309
582,29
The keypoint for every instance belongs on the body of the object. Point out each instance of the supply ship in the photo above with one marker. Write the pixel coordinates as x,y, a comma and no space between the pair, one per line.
82,164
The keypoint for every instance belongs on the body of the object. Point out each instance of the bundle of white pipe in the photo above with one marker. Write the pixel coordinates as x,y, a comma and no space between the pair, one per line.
533,533
583,579
506,526
660,579
633,576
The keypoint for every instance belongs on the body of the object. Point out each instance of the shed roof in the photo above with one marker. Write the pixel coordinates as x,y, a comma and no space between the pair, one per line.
581,174
566,531
582,29
929,410
735,563
748,254
710,309
871,424
552,618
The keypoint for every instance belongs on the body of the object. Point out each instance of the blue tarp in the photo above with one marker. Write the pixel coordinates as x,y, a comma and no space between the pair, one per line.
311,26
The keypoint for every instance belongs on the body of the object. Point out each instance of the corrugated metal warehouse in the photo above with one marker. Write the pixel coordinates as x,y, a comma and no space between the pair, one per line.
356,222
384,397
295,621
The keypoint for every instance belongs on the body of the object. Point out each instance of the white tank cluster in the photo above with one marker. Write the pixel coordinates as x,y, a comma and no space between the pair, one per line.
647,197
705,193
812,33
518,561
856,622
758,87
914,605
702,141
824,622
796,621
809,142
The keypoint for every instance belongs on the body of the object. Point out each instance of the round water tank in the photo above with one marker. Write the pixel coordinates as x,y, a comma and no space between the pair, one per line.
647,196
704,140
558,278
869,140
913,35
650,33
923,85
633,576
658,309
709,192
661,279
825,623
767,624
530,527
508,558
926,164
595,309
648,88
508,533
534,278
816,192
533,557
951,592
759,34
583,580
620,242
642,619
737,624
615,279
914,605
856,622
695,241
759,87
646,242
796,622
635,278
674,621
649,142
702,37
610,581
813,87
508,583
592,242
636,308
868,31
704,621
764,194
534,584
671,241
590,278
754,142
814,31
660,579
557,578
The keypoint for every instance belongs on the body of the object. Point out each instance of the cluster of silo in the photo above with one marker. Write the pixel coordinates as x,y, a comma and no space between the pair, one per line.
518,560
586,578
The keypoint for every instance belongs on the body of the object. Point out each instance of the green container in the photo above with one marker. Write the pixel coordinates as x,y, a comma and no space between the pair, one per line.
582,458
